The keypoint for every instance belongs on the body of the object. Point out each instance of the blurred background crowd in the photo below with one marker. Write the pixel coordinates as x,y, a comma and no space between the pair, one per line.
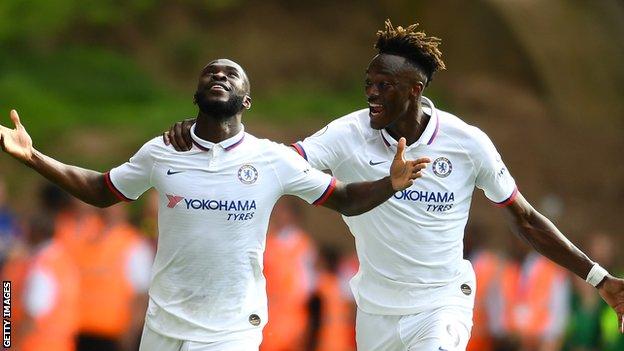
83,273
93,80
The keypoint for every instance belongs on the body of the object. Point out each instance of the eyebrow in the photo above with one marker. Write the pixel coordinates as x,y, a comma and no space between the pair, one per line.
385,73
227,68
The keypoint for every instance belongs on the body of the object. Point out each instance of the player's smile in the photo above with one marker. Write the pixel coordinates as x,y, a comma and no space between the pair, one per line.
219,87
375,109
216,89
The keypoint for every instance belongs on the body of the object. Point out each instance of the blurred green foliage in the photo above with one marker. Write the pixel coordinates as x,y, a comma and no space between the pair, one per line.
56,92
90,87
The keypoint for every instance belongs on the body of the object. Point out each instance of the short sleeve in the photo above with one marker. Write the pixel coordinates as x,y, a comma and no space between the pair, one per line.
493,177
132,178
298,178
325,149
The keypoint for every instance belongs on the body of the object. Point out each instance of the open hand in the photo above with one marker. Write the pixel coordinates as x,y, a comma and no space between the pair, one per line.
403,172
16,142
612,291
179,135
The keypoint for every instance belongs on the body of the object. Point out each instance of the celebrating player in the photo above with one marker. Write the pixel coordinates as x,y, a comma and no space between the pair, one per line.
207,290
414,290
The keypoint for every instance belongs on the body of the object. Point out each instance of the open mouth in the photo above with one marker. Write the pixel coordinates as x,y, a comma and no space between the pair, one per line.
375,109
218,87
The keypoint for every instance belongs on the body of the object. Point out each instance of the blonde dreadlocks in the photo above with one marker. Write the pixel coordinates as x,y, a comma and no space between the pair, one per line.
417,47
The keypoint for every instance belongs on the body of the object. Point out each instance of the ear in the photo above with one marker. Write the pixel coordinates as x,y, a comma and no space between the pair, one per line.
417,88
247,102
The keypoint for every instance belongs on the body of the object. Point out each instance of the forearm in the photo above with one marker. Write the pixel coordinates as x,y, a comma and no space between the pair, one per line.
86,185
356,198
542,234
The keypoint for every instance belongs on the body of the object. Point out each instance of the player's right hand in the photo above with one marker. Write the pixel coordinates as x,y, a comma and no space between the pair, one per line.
179,135
16,142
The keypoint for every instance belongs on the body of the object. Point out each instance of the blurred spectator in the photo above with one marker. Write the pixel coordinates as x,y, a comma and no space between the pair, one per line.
535,295
50,294
584,329
601,247
115,265
54,200
611,339
488,311
15,270
332,309
8,224
76,224
289,270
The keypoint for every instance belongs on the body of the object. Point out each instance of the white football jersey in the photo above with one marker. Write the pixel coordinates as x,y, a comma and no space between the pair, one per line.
215,201
410,248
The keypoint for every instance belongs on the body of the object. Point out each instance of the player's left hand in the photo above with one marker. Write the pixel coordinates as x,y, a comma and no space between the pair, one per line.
612,291
403,172
179,135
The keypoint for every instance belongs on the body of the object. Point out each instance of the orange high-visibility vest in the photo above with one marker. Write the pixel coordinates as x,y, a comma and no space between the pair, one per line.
106,294
72,231
527,297
16,270
56,329
337,329
287,266
488,269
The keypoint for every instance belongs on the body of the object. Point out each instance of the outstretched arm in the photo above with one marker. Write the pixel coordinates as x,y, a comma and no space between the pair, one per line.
356,198
542,234
87,185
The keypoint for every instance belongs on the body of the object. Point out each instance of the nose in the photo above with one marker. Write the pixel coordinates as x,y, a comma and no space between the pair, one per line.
371,91
219,76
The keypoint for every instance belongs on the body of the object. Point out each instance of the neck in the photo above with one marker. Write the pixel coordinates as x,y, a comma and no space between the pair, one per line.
216,130
409,126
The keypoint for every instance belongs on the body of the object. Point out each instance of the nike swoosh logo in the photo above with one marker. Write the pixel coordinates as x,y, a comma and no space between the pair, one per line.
170,172
441,349
375,163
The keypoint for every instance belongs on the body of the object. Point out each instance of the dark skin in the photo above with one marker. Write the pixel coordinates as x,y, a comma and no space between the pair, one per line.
394,89
219,82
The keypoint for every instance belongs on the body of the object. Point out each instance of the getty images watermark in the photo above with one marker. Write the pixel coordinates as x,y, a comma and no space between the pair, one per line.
6,314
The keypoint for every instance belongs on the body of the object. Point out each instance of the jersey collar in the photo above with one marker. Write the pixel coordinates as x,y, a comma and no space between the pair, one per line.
227,144
428,135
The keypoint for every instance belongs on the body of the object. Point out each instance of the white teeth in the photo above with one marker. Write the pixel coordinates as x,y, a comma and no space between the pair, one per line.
375,105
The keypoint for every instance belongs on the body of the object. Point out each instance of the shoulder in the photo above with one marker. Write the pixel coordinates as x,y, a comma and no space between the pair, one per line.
273,151
357,121
155,149
459,131
353,123
157,145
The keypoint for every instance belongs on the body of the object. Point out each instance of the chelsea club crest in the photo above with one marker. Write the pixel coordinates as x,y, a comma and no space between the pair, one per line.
442,167
247,174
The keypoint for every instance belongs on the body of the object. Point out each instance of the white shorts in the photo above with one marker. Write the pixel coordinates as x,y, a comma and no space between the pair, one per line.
152,341
442,329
